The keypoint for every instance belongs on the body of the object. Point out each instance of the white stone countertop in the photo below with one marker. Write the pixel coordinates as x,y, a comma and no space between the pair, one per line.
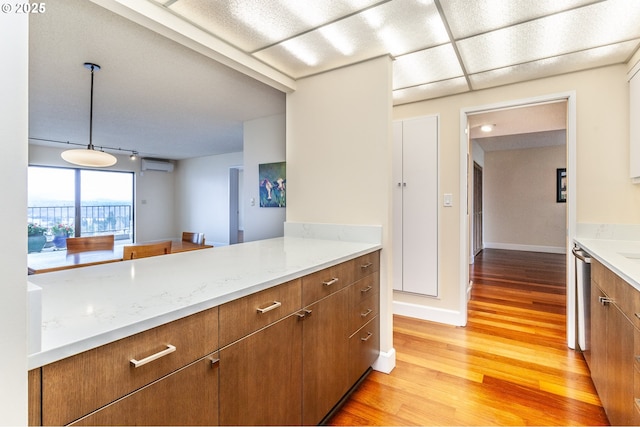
615,246
84,308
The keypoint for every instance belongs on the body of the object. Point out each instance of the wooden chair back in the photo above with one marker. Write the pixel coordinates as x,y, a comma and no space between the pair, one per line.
90,243
146,250
197,238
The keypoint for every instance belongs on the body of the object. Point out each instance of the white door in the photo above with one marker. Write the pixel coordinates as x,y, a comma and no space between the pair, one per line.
416,206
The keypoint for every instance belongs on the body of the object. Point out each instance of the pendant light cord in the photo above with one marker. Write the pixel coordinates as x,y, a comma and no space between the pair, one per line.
91,113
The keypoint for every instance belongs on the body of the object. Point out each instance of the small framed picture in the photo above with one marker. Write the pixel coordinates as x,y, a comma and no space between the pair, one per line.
561,185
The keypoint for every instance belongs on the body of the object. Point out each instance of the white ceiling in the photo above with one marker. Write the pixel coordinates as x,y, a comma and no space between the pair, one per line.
158,97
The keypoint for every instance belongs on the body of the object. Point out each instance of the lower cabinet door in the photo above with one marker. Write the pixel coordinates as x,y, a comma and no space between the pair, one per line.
186,397
261,376
364,348
326,356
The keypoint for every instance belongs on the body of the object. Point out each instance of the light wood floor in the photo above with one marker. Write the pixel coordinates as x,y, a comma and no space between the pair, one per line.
509,366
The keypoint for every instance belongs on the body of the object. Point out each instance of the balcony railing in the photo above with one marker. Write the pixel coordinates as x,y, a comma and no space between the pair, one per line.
94,220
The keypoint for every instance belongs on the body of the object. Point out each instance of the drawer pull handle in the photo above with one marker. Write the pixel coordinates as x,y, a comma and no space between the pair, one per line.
330,282
137,363
367,289
637,315
367,265
303,314
273,306
369,335
215,362
605,300
366,313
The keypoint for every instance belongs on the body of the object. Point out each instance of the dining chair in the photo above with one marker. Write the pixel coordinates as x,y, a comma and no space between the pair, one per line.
146,250
90,243
197,238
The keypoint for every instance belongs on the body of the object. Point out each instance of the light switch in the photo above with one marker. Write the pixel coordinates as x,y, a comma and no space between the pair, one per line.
448,200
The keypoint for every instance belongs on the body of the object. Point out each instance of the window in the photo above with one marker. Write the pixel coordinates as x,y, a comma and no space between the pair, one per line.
89,202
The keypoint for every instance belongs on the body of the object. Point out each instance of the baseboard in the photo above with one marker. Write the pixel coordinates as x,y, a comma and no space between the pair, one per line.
433,314
528,248
386,361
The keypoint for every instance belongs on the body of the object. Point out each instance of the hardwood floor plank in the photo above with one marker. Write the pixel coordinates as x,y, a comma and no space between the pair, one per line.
509,365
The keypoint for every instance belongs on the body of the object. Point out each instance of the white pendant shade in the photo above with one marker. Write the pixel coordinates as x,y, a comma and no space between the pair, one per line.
89,157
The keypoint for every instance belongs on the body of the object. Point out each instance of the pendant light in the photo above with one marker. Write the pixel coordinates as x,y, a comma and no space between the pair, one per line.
90,156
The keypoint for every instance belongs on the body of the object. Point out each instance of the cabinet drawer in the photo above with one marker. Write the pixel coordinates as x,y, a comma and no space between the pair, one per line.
364,347
323,283
364,301
186,397
245,315
366,264
78,385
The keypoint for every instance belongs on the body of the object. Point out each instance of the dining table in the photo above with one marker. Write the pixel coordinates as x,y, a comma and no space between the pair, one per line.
38,263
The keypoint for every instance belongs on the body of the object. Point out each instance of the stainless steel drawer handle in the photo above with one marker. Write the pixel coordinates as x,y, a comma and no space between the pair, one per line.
273,306
367,289
637,315
369,335
366,313
137,363
367,265
215,362
605,300
330,282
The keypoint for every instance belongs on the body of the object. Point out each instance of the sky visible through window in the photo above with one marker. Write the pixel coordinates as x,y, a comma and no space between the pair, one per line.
55,186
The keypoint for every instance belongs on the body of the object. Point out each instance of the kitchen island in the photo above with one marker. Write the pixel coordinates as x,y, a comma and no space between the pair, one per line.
260,296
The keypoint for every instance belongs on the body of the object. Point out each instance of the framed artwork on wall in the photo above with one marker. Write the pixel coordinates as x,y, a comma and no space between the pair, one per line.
273,181
561,185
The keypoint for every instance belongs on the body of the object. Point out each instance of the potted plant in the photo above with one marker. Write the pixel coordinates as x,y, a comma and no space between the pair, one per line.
36,238
60,234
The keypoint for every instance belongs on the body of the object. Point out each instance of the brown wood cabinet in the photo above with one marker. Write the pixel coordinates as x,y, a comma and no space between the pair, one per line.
613,351
186,397
282,356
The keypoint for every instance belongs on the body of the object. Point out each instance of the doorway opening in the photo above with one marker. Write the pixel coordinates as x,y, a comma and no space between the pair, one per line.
471,226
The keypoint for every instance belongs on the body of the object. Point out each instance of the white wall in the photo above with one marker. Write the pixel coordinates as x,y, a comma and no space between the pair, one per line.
202,196
264,142
520,211
14,116
604,191
339,154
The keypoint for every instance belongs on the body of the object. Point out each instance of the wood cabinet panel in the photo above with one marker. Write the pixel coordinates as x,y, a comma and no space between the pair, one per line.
261,377
241,317
365,265
323,283
364,348
364,301
186,397
325,355
78,385
35,404
620,357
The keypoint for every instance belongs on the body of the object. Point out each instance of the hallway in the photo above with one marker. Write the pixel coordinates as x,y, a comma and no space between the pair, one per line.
509,366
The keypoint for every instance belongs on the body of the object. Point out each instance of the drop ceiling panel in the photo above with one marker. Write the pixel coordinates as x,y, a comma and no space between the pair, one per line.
391,28
467,18
563,33
429,65
430,90
251,25
591,58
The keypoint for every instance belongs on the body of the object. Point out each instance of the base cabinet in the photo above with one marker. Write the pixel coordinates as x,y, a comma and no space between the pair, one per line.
261,377
286,355
186,397
614,353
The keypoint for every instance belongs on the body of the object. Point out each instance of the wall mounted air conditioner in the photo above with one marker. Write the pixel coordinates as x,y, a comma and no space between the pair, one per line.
156,165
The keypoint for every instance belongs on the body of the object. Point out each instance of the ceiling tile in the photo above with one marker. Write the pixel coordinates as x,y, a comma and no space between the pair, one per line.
429,65
567,32
466,18
254,24
391,28
430,90
591,58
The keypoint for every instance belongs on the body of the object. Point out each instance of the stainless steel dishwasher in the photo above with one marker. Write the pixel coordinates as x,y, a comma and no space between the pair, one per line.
582,261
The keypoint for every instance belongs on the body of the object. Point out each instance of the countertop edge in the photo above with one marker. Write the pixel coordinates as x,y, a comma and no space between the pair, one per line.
609,254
